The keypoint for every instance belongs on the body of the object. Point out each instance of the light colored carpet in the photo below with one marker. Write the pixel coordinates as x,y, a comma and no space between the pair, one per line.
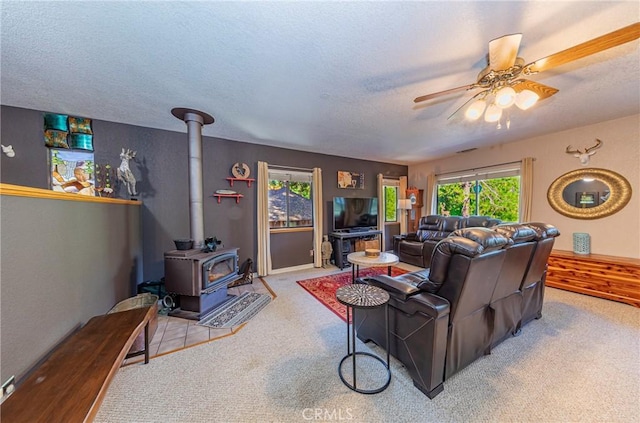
579,363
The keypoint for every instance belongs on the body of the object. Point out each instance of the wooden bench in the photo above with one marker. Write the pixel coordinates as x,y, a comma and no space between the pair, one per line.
71,383
609,277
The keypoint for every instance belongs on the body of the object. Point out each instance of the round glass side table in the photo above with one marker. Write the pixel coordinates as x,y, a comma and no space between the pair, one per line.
360,296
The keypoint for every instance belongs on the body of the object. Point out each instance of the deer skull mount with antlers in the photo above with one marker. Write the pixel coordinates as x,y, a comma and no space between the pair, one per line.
585,155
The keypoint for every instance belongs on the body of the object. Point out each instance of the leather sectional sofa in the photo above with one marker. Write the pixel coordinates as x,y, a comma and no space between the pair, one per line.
482,286
416,247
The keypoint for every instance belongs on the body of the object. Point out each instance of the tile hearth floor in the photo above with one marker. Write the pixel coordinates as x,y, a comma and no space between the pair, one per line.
174,333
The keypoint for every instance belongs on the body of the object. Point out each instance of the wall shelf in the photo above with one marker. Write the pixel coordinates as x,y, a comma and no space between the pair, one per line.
236,196
247,180
22,191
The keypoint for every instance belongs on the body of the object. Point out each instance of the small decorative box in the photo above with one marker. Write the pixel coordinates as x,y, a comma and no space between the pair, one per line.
370,252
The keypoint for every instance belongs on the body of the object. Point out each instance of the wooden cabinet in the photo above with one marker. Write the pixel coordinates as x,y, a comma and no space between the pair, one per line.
416,208
609,277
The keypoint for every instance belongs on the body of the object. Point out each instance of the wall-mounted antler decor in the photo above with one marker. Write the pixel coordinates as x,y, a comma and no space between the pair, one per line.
585,155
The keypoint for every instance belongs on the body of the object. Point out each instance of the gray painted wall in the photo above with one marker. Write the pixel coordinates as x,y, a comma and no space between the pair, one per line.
161,167
283,256
63,262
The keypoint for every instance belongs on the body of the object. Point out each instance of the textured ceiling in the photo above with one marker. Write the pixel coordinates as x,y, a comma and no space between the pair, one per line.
330,77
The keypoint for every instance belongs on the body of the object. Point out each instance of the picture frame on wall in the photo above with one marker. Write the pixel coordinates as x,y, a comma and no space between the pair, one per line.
350,180
72,171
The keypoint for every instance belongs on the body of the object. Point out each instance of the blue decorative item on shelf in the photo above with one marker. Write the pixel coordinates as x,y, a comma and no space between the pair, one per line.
581,243
81,141
56,122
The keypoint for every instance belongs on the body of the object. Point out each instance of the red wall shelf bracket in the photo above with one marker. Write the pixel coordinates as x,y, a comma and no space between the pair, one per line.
247,180
236,196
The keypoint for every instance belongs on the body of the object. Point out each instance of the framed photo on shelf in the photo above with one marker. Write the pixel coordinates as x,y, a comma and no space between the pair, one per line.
72,171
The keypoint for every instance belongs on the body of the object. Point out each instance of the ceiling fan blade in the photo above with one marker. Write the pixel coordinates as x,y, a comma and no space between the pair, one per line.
442,93
596,45
503,51
543,91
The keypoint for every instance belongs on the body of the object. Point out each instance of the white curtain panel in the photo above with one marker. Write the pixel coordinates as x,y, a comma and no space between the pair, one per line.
317,217
526,189
430,194
402,195
264,244
381,210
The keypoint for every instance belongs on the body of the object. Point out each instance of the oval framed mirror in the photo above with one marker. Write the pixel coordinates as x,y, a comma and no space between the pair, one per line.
589,193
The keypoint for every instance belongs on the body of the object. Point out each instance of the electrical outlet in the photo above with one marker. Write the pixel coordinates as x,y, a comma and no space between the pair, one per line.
9,386
310,253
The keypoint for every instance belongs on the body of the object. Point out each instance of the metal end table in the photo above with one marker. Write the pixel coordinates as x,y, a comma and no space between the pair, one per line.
363,296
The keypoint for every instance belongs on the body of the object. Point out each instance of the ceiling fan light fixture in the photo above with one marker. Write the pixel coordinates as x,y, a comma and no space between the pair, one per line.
526,99
476,109
493,113
505,97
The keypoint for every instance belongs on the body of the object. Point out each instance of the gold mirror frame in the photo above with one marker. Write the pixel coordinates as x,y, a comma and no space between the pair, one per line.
620,190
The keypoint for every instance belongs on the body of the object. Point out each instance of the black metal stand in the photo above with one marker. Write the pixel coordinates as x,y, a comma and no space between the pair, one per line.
352,353
355,272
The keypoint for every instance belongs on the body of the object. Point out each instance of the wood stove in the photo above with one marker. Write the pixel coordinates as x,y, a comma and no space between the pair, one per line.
200,279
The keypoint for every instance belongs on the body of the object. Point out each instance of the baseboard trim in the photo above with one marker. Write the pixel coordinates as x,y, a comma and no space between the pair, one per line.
291,269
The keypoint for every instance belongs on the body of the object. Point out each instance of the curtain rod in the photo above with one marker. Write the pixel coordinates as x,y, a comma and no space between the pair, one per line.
481,167
289,168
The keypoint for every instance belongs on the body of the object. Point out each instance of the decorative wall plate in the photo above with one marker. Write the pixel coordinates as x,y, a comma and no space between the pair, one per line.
240,171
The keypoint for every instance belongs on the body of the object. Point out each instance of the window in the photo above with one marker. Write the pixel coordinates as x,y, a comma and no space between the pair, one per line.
492,191
390,203
290,201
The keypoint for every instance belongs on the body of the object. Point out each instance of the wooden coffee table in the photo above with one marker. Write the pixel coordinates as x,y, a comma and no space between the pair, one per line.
360,259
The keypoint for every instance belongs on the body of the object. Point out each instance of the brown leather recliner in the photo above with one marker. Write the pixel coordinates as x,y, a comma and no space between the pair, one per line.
416,248
439,318
533,283
506,301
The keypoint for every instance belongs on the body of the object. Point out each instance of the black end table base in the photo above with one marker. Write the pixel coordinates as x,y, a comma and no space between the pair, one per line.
362,296
364,391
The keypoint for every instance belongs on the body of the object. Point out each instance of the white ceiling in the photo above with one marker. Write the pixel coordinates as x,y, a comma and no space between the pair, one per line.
330,77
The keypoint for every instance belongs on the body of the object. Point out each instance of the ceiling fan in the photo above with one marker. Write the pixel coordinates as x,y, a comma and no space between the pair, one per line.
502,82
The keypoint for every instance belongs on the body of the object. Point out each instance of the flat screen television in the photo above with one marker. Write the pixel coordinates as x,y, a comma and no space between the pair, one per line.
355,213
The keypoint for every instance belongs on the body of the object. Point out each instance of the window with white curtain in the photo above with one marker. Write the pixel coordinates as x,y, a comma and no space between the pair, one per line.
290,199
489,191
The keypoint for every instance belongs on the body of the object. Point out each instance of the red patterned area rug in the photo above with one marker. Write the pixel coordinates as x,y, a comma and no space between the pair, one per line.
324,288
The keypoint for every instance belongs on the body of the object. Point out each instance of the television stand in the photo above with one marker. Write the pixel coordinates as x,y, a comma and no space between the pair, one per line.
352,230
344,243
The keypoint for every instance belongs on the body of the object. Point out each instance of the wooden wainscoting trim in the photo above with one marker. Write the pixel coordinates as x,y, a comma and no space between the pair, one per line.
609,277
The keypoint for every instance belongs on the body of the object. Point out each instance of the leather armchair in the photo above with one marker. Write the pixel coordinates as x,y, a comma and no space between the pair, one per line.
506,301
482,287
533,283
439,318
